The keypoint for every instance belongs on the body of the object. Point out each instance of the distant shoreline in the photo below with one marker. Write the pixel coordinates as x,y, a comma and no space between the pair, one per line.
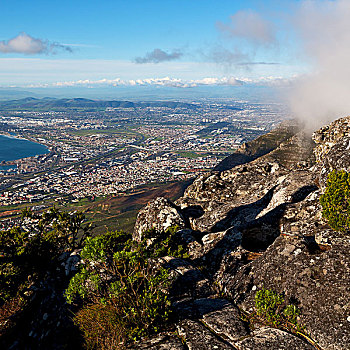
16,156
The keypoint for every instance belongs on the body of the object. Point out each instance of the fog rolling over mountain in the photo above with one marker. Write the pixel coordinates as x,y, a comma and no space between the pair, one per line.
323,95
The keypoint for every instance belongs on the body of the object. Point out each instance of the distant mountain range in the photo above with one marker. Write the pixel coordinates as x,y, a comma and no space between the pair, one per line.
52,103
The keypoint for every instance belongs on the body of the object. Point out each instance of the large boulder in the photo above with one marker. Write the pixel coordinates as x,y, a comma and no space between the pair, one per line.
337,159
159,214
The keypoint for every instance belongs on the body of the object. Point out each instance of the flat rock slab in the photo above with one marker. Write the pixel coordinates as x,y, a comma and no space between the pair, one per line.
198,337
226,322
159,342
219,315
273,339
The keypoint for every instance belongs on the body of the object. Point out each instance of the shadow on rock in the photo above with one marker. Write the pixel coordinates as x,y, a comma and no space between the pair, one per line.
240,214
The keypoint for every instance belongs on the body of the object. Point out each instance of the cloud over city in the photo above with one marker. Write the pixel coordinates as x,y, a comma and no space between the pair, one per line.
245,34
25,44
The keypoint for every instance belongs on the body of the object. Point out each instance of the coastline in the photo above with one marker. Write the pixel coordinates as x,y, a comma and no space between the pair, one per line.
12,160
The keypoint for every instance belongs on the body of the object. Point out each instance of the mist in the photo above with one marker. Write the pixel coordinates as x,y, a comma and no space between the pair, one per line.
323,29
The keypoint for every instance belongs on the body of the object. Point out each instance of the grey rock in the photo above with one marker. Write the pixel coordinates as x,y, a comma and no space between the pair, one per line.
159,214
159,342
70,265
187,280
219,316
271,339
315,279
226,322
337,158
327,136
199,337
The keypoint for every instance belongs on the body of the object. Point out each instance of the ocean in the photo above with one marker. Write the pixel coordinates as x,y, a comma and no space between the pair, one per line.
12,148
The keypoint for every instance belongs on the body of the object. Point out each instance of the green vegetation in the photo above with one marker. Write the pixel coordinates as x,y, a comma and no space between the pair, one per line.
336,201
128,297
121,288
188,154
28,251
272,309
120,292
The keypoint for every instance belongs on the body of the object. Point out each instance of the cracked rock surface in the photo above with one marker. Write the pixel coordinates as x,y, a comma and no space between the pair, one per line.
257,223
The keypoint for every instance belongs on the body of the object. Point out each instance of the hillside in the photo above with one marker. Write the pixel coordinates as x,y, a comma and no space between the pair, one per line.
265,144
54,103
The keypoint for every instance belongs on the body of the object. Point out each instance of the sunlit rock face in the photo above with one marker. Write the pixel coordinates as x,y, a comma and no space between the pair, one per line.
258,224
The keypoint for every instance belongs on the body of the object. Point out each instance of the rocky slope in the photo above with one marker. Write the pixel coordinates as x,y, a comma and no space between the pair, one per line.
255,225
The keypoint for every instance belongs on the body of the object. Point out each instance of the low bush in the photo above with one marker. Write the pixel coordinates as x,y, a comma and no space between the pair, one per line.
28,251
121,288
335,201
272,309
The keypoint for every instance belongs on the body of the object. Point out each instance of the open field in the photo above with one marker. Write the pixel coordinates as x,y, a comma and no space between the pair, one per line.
119,213
112,212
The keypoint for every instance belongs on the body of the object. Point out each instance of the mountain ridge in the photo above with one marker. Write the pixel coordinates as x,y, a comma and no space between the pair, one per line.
259,225
48,102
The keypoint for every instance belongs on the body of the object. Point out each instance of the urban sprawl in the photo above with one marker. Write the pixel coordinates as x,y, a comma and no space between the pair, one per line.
112,151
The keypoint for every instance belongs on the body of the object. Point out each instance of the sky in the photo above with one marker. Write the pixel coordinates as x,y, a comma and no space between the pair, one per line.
173,43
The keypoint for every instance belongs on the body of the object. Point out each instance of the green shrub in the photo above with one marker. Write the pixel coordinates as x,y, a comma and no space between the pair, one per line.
272,309
336,201
28,251
269,305
121,288
165,243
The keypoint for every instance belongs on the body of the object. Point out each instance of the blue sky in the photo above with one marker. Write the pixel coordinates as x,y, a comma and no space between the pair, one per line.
172,42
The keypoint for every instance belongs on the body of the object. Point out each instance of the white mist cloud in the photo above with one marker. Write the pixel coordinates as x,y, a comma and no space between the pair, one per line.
248,32
250,26
324,30
26,44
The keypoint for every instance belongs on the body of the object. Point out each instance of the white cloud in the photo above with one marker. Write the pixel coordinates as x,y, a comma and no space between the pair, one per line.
171,82
26,71
167,82
250,26
26,44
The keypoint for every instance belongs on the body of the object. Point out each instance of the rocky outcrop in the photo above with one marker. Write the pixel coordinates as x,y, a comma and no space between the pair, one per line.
159,214
326,137
259,225
314,277
262,145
